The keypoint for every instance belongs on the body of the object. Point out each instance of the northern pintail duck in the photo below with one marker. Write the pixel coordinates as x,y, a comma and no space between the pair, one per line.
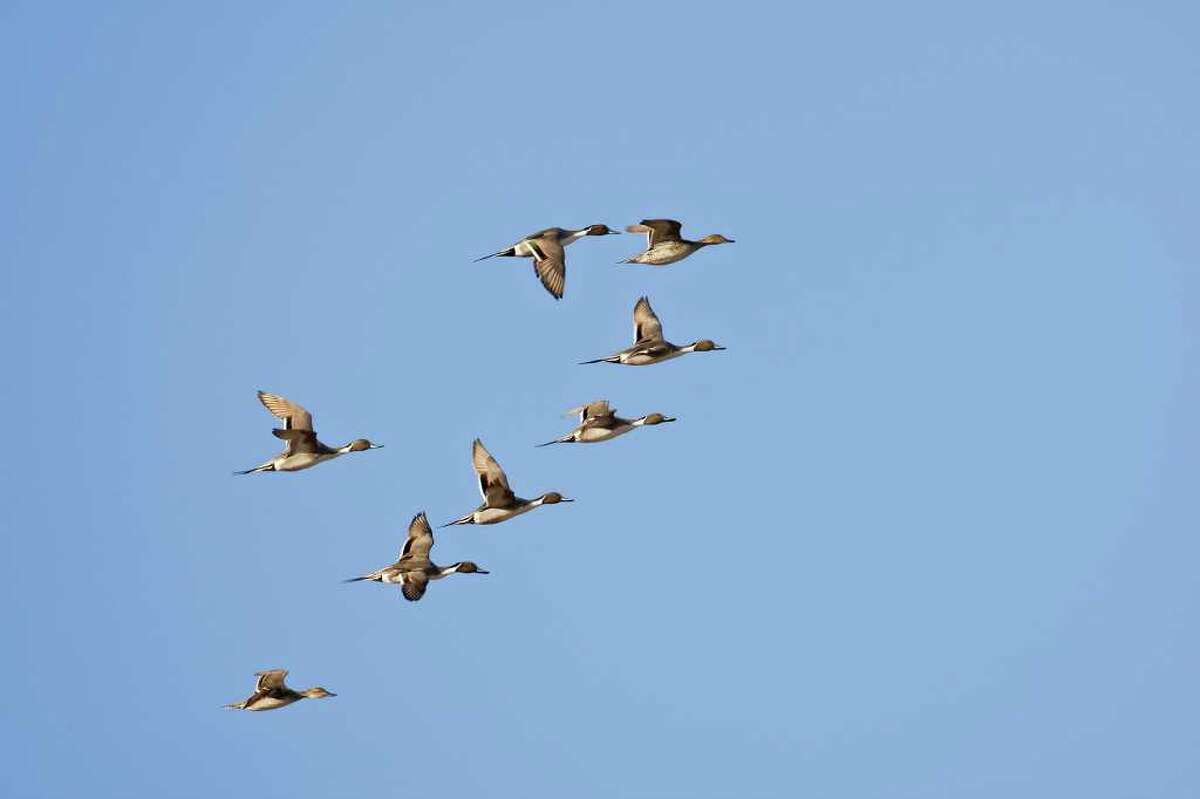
546,248
649,345
414,570
271,692
499,502
303,449
599,422
666,244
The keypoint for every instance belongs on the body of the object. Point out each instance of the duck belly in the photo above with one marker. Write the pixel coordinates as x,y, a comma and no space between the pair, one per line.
593,435
497,515
642,359
303,460
665,254
269,703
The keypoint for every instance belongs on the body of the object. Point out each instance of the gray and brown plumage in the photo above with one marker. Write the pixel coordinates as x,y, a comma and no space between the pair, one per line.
666,244
414,569
547,248
271,691
499,502
649,346
598,421
302,449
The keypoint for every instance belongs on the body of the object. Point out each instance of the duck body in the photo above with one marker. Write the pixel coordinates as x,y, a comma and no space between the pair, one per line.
303,450
547,248
649,346
414,570
668,252
666,244
499,502
599,422
494,515
271,692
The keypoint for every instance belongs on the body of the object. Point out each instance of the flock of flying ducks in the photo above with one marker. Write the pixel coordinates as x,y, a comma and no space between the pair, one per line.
598,421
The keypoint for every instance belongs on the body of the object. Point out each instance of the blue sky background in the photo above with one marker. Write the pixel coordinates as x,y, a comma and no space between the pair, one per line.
927,529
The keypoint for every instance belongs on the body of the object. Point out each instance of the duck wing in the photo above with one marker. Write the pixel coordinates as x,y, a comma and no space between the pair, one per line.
298,441
414,585
294,416
493,484
594,414
658,230
550,265
416,547
270,680
646,326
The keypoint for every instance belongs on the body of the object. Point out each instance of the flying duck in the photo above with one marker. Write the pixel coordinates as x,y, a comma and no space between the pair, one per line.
665,244
499,502
599,422
414,570
303,449
546,248
649,345
271,692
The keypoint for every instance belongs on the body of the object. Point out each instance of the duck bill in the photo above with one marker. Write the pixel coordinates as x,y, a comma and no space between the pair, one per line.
670,419
375,446
482,571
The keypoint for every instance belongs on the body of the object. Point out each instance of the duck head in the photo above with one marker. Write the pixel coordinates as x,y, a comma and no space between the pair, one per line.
360,444
469,567
715,238
317,693
706,345
601,230
657,418
553,498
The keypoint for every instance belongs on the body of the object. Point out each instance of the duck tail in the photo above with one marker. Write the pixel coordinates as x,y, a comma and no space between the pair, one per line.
609,359
468,519
509,253
236,705
357,579
563,440
266,467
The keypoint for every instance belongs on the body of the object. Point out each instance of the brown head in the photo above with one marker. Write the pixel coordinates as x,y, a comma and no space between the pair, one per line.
657,418
469,567
317,693
601,230
706,345
715,238
360,444
553,498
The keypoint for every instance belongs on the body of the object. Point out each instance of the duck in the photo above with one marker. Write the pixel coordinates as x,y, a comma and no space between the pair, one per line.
598,421
499,502
665,243
546,248
271,692
303,450
649,346
414,570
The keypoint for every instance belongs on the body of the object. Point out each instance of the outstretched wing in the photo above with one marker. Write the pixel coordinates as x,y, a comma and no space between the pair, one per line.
594,412
269,680
658,230
419,542
551,266
646,326
414,585
295,417
493,484
298,440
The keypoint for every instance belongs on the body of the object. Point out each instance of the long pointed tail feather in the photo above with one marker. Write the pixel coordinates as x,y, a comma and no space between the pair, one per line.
266,467
509,253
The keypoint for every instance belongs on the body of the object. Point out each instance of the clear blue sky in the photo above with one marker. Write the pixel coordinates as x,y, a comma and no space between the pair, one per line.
927,529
